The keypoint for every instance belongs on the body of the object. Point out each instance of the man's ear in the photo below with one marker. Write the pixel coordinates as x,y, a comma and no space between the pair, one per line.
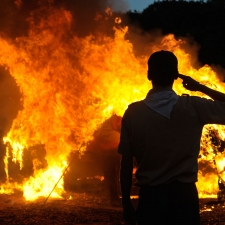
176,75
149,75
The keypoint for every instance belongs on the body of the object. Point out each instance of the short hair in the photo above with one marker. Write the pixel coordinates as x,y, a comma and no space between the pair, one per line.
162,68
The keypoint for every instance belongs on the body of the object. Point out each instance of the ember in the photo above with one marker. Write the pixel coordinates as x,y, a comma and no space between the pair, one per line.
70,84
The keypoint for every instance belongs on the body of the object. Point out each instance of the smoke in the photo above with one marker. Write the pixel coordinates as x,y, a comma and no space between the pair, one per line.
9,100
220,71
119,6
86,14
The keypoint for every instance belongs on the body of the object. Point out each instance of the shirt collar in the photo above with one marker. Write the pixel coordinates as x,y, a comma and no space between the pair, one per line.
162,102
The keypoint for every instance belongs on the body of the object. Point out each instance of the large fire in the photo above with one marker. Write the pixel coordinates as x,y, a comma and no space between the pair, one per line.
71,84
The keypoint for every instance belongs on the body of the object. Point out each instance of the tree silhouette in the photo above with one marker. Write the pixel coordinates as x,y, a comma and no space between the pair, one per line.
204,21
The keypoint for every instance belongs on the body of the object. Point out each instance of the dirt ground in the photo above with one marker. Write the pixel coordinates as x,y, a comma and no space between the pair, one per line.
83,209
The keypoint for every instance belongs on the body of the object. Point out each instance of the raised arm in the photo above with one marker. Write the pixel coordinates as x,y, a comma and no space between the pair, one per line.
192,85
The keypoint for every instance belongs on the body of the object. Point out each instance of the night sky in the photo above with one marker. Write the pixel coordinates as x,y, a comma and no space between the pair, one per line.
139,5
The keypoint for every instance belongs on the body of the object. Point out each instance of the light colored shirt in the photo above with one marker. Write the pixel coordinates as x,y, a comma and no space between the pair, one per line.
167,149
162,102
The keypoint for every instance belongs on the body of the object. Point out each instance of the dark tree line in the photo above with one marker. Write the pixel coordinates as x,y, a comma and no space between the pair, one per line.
203,21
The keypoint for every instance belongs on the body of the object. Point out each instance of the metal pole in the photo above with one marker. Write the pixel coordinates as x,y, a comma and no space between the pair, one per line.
61,177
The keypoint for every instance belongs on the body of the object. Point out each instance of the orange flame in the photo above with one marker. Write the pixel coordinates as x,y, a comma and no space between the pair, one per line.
70,85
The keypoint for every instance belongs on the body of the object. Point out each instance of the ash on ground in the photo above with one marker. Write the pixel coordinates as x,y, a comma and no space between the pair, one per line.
84,209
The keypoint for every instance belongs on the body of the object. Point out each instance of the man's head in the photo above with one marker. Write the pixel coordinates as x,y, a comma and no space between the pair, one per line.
162,68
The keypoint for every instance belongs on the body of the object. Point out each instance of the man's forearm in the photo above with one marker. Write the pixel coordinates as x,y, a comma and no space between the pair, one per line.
215,95
126,178
192,85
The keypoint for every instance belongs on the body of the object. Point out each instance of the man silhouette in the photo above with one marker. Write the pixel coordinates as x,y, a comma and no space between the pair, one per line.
105,143
163,132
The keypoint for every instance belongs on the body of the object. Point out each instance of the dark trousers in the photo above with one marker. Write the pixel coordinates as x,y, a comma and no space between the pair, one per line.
170,204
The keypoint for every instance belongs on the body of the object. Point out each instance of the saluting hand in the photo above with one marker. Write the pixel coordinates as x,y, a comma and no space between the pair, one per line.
189,83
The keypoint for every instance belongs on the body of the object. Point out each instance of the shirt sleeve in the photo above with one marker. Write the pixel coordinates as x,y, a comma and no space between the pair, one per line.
209,111
125,142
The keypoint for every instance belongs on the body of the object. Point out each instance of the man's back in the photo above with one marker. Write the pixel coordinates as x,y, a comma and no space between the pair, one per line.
167,149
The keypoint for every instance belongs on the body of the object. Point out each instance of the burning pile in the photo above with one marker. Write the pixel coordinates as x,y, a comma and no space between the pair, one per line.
70,84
